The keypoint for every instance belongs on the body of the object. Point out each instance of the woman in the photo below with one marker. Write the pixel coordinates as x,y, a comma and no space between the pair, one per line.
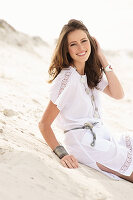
76,73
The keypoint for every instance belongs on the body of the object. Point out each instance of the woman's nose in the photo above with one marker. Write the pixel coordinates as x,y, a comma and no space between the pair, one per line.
80,47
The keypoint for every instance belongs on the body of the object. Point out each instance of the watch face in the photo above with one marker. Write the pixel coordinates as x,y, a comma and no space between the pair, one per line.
108,68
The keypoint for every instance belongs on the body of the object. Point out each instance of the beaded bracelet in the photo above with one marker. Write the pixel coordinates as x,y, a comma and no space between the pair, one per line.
60,151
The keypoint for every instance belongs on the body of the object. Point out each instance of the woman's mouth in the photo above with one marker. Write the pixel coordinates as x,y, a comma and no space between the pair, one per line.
82,54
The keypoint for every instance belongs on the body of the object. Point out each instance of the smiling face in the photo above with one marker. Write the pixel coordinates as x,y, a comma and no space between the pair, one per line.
79,46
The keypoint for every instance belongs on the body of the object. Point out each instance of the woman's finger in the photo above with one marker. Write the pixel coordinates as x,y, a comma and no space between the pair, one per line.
69,163
73,163
63,163
74,160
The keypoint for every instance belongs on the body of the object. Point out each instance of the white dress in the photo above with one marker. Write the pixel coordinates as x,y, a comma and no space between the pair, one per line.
68,93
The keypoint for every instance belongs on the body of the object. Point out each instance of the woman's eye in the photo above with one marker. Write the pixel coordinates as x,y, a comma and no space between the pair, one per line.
84,41
72,45
75,44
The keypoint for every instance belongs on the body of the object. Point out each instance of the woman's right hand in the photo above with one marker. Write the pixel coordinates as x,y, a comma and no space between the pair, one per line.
69,161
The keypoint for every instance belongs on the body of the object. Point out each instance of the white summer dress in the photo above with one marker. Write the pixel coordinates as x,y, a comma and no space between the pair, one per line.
76,108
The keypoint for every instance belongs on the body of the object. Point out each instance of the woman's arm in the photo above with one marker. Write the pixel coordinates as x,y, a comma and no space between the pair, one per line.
48,117
45,125
114,88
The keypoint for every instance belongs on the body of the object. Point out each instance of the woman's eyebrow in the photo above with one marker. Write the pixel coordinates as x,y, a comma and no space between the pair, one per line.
80,40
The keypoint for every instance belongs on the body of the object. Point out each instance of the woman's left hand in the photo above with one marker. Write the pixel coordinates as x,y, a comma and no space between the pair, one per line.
101,56
99,50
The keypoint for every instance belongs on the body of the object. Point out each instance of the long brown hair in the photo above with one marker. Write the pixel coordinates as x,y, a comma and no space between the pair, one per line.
61,58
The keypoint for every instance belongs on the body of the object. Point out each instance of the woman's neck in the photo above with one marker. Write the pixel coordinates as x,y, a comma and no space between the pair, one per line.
80,68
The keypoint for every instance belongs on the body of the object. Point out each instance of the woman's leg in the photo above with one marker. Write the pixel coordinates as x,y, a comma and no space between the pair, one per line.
128,178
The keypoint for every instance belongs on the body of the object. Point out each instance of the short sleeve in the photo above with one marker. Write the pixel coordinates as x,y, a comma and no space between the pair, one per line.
103,83
62,89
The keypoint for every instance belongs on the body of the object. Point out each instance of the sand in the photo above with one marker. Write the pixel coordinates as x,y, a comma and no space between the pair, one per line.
28,167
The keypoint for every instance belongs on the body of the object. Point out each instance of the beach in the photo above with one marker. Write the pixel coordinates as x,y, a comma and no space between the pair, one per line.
28,167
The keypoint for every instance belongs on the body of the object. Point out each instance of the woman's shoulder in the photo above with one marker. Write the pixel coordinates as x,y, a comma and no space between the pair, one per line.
67,71
62,86
64,75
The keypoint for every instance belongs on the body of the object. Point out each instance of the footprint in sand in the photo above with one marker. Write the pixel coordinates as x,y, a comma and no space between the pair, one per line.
9,112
